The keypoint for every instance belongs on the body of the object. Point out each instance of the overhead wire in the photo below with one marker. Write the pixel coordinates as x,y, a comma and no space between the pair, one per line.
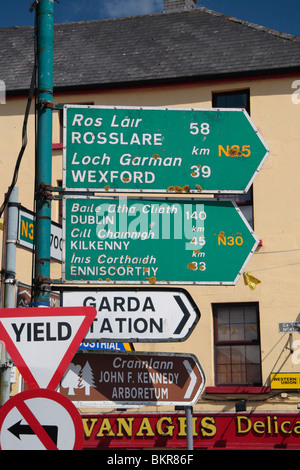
31,94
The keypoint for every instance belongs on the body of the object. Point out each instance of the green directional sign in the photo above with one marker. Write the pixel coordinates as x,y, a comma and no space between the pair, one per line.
160,150
154,241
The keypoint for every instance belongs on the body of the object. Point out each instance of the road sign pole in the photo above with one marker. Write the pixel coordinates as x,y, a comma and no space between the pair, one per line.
44,151
9,292
189,427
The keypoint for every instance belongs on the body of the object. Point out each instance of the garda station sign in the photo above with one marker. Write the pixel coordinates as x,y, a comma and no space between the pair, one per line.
141,314
123,240
173,150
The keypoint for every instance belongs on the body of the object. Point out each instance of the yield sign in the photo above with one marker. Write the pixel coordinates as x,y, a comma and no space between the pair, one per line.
42,342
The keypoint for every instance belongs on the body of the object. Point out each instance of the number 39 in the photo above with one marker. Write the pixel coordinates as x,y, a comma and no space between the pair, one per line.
203,171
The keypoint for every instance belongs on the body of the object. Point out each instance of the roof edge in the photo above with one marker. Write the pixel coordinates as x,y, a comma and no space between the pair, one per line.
258,27
93,87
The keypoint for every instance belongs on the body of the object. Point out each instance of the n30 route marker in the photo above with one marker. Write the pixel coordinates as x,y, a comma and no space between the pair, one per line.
158,241
141,314
174,150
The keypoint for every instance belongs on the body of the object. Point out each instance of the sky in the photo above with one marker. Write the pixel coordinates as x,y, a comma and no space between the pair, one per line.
281,15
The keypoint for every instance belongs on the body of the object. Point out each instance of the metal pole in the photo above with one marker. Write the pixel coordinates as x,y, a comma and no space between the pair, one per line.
9,283
44,152
189,427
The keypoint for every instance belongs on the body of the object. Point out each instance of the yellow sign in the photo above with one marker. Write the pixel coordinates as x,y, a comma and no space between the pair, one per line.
285,380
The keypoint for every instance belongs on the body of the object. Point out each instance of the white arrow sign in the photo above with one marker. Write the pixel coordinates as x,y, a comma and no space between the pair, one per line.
193,378
141,314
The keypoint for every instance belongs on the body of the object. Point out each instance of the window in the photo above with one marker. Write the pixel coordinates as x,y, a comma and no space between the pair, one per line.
237,344
236,99
232,99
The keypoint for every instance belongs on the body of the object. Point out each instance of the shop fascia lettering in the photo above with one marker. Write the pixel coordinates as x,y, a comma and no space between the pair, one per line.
175,426
163,426
269,426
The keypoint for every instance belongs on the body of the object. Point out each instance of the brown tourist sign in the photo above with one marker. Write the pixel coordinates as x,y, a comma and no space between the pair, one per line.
129,378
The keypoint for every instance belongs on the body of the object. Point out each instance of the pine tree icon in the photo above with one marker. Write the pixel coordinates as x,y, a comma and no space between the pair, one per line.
86,378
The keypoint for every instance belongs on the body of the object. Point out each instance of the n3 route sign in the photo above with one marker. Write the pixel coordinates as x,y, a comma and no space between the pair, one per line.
133,379
26,232
145,315
174,150
133,241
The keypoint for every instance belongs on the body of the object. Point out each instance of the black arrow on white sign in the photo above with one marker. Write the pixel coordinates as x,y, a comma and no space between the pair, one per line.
19,429
186,315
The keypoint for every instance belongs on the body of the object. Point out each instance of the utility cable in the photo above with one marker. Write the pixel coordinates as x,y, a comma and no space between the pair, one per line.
24,138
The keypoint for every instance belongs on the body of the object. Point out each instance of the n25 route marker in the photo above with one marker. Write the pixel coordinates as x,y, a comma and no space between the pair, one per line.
140,314
175,150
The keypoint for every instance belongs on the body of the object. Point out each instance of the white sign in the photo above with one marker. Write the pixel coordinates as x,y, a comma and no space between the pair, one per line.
40,420
145,315
289,327
42,341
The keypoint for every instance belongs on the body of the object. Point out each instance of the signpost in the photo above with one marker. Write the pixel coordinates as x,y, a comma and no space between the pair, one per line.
155,241
141,314
133,379
171,150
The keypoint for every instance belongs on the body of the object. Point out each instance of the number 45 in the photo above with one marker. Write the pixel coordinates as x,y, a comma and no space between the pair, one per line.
203,128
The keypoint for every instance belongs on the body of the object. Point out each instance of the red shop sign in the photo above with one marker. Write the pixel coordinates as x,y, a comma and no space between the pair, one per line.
210,430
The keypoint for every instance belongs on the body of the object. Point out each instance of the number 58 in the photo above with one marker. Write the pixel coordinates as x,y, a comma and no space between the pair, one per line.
203,128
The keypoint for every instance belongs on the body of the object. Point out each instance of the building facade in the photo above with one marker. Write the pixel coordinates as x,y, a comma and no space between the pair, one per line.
188,58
